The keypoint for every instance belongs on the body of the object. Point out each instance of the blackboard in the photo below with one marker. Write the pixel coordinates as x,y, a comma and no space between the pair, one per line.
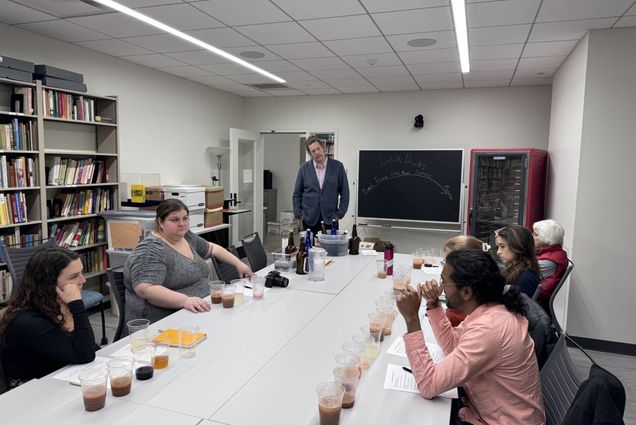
415,185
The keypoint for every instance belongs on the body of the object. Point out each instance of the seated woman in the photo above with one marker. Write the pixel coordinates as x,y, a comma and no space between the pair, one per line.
515,248
453,244
46,326
167,270
552,258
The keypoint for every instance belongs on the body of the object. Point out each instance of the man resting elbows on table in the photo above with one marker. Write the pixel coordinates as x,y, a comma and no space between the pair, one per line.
490,354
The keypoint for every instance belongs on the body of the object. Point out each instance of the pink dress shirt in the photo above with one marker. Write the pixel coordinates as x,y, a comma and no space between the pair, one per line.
491,355
320,171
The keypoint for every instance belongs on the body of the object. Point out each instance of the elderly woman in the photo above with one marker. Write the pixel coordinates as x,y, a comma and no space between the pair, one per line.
515,249
167,270
46,326
552,258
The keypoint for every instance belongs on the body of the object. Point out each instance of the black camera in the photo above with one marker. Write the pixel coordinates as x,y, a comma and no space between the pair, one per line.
274,278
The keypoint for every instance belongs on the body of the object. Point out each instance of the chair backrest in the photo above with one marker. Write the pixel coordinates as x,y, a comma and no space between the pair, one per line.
559,382
255,251
539,329
224,271
17,259
555,322
4,387
116,279
537,292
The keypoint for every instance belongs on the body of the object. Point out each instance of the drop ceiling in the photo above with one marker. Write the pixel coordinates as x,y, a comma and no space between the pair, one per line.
333,46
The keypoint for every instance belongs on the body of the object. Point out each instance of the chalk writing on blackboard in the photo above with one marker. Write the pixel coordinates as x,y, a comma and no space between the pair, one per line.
403,165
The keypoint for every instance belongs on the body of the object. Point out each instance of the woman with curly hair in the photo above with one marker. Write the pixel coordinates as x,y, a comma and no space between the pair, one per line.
46,326
515,248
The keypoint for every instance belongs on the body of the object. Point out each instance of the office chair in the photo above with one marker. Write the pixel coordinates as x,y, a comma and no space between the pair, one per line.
118,290
17,259
555,322
537,291
255,251
539,328
224,271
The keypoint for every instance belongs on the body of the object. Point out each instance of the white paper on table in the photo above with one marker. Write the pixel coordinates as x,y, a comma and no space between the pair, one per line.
400,380
397,348
368,252
70,374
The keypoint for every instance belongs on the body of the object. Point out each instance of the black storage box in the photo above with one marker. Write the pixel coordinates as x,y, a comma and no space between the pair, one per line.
13,63
42,71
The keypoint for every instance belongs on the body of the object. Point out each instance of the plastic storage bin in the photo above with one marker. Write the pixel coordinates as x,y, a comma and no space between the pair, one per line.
335,245
284,262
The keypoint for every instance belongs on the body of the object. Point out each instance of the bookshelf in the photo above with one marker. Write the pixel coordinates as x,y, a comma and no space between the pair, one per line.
59,168
330,140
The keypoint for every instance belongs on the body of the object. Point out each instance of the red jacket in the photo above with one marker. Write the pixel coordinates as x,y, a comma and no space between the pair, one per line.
557,255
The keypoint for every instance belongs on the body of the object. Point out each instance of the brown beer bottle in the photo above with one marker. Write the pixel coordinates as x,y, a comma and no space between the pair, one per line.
301,258
290,248
354,242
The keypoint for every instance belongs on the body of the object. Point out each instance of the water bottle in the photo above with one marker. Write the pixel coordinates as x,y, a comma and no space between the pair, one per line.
388,258
308,241
334,227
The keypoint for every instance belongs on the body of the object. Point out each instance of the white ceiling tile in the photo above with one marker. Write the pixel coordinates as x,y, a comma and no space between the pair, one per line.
429,56
493,65
302,85
222,37
379,81
541,62
185,71
252,78
549,48
321,91
212,79
571,30
281,93
310,9
181,16
277,33
388,6
237,51
569,10
63,30
632,10
485,83
300,50
412,21
114,47
233,12
504,51
198,57
277,66
445,39
399,87
316,64
535,73
509,12
229,68
498,35
374,59
360,46
153,61
145,3
451,78
116,25
383,71
295,76
434,68
531,82
352,90
63,9
161,43
335,74
350,83
488,76
442,85
626,21
13,13
343,27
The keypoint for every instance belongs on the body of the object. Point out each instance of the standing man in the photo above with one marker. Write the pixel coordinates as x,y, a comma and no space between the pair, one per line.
321,192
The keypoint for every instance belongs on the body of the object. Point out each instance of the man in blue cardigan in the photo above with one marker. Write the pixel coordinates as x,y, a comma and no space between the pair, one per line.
321,192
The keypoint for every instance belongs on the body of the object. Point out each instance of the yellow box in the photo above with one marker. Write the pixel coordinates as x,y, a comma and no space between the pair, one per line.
138,193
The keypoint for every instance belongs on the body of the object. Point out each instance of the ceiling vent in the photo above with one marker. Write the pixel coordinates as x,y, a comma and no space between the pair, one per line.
270,86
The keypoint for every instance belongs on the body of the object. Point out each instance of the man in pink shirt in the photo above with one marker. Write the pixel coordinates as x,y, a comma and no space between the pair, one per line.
490,354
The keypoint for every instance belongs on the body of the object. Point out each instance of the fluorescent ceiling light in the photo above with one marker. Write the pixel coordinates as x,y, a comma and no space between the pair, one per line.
148,20
461,32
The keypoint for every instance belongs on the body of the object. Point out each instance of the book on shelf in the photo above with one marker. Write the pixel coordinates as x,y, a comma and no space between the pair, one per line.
58,104
27,93
68,171
75,234
17,135
83,202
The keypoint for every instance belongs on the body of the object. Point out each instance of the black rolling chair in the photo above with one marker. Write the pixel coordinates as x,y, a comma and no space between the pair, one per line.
224,271
255,251
118,290
17,259
555,322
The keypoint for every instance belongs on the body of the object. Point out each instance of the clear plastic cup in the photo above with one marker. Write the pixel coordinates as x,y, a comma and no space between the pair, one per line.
349,381
376,323
381,268
358,350
138,331
418,259
93,382
144,368
187,345
216,291
120,374
330,395
239,287
258,287
228,296
371,345
401,278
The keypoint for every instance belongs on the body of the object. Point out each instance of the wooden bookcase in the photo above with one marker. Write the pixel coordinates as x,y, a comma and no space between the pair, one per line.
89,144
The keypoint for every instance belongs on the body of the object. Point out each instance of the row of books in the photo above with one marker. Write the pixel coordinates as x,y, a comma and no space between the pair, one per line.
13,209
69,171
90,201
6,284
69,106
18,135
22,241
94,260
17,172
82,233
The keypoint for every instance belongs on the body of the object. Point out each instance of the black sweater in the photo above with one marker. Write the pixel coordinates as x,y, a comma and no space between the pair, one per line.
34,346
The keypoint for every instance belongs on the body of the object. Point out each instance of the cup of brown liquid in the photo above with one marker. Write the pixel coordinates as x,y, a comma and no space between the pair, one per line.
349,380
161,358
144,368
418,259
120,373
381,266
330,396
93,382
228,295
216,291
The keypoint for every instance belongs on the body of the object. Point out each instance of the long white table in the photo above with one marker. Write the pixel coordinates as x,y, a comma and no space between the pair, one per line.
260,363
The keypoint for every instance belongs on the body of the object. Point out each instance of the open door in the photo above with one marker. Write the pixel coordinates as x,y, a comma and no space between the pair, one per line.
246,180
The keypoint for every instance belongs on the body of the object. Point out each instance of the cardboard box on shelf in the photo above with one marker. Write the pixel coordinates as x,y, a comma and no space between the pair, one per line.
213,217
154,193
196,218
214,197
192,196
